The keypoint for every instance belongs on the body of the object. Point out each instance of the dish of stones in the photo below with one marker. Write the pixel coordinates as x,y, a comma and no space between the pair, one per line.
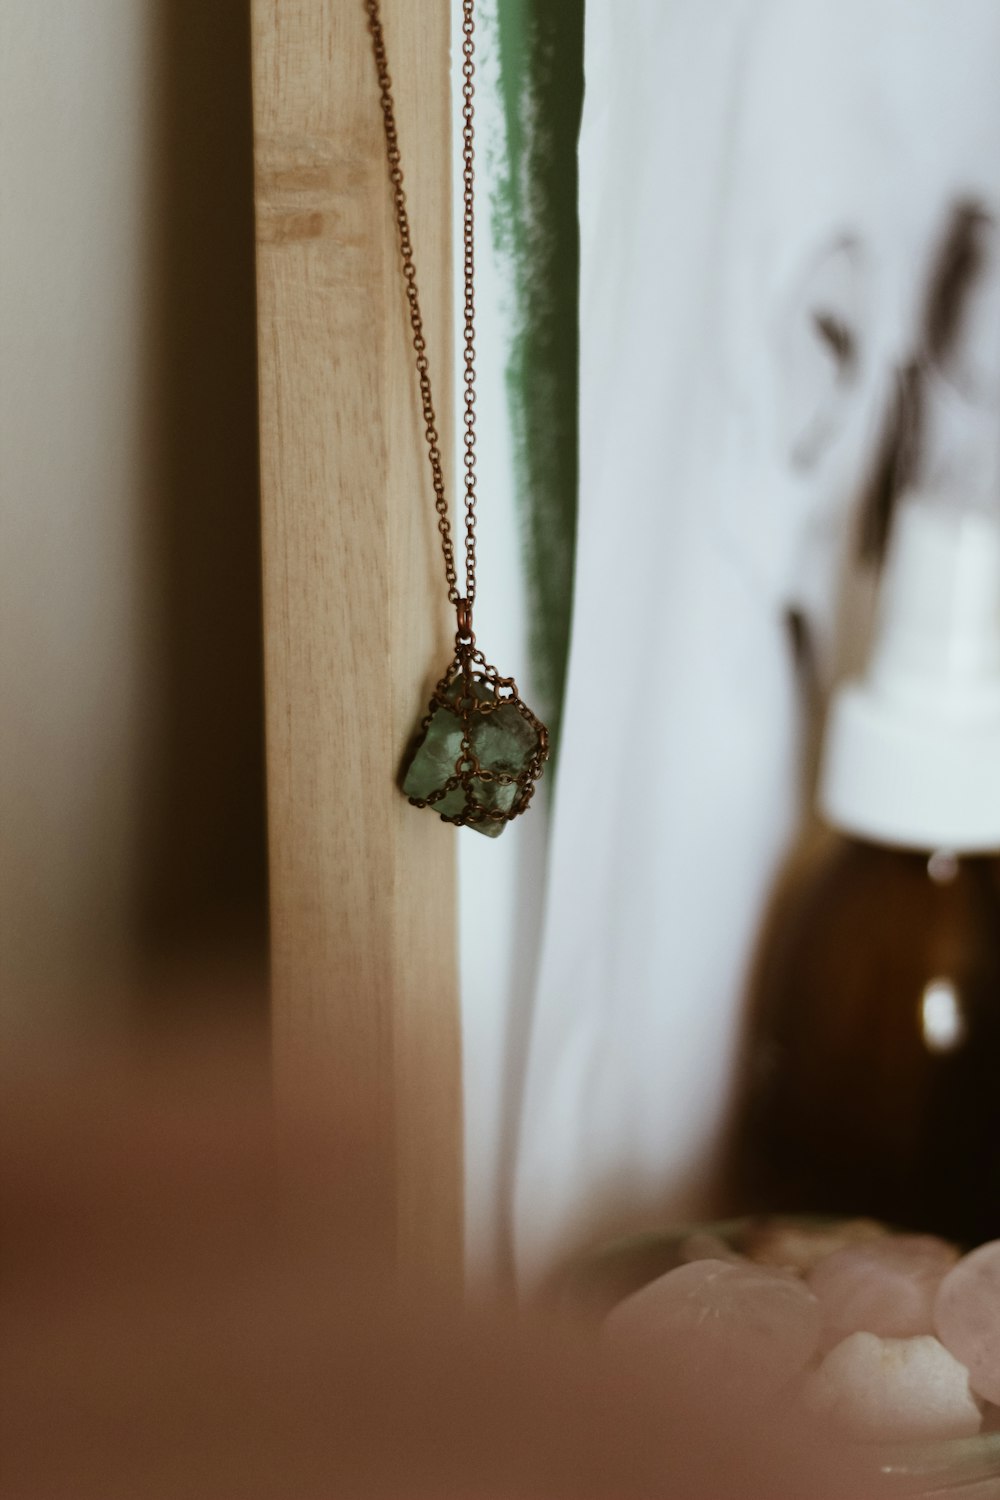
893,1338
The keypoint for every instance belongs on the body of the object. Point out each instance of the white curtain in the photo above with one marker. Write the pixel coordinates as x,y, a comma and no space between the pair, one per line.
766,187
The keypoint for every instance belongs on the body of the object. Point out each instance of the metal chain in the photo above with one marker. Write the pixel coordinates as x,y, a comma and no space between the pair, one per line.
463,603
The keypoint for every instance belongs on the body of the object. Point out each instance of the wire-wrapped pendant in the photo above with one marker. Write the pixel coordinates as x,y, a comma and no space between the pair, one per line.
480,749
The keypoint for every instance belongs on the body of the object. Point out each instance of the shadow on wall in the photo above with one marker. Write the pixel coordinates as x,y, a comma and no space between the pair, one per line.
203,883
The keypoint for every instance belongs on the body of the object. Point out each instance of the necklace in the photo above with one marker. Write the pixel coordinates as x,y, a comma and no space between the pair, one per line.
479,749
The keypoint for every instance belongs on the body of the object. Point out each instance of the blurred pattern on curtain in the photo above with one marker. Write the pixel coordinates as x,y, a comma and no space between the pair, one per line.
534,202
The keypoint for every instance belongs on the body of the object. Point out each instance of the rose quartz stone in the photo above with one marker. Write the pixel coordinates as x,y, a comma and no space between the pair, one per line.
967,1317
893,1389
886,1287
736,1327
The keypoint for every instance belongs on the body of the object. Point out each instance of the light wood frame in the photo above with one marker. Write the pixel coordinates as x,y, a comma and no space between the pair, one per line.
363,894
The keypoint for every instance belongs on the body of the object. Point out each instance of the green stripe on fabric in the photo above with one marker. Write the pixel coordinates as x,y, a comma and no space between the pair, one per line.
535,227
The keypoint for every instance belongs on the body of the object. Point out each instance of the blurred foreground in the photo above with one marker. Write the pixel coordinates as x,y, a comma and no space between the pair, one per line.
196,1306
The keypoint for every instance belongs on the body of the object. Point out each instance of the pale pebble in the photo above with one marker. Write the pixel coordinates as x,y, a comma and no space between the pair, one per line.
967,1317
735,1327
799,1245
894,1389
886,1287
702,1245
705,1246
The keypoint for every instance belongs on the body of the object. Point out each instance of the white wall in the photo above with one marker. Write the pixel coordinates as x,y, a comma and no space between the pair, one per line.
115,314
76,127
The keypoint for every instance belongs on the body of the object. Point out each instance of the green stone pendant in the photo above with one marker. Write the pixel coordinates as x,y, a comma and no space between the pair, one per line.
480,749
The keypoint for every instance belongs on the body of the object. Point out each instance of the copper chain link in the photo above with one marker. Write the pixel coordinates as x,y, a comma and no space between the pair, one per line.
462,603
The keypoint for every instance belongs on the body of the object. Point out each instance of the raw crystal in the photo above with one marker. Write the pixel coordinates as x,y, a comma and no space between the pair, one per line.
738,1329
886,1287
501,740
894,1389
967,1317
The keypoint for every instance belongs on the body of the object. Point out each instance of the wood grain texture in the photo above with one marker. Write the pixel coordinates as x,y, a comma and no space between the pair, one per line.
357,629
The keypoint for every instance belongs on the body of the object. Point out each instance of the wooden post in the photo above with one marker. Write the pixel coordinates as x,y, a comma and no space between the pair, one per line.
356,626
